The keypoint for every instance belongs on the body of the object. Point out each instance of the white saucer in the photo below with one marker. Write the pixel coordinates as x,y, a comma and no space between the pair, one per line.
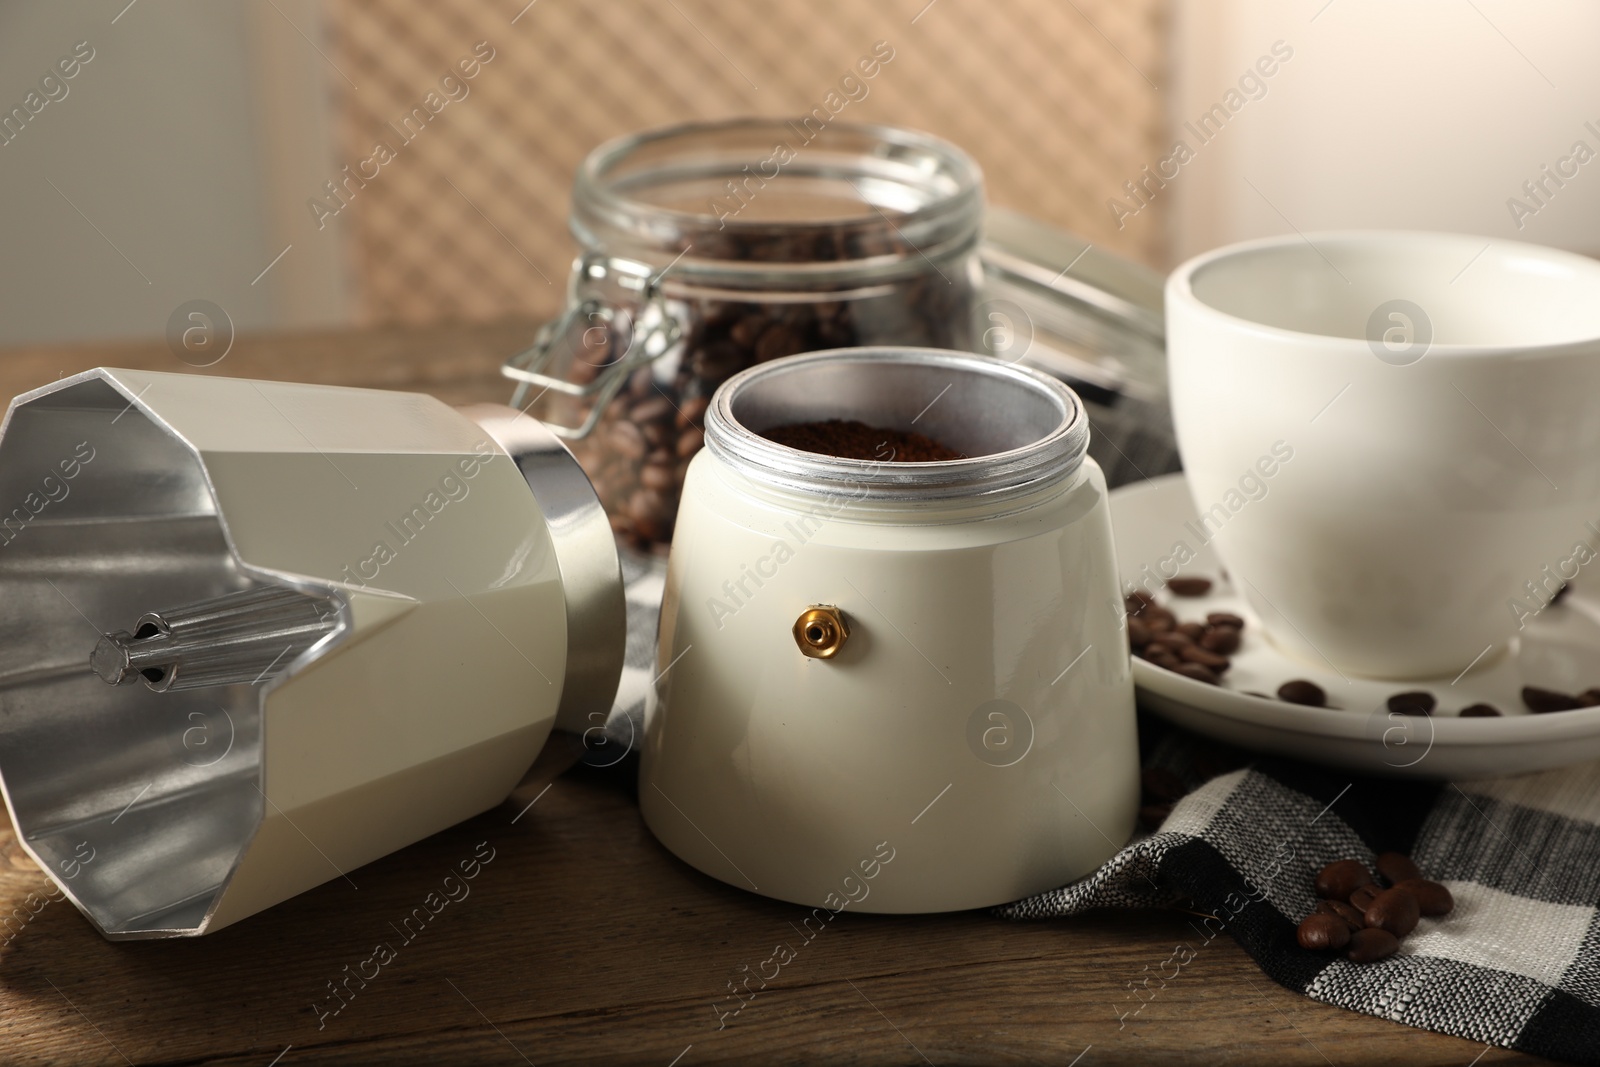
1560,649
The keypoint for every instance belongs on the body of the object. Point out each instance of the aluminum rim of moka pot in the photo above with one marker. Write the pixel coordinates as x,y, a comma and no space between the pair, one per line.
272,709
586,553
1020,429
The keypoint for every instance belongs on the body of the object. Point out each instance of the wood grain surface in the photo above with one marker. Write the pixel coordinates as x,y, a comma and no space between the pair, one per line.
584,941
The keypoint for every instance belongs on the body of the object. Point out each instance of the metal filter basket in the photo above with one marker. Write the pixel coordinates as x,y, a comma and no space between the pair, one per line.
261,633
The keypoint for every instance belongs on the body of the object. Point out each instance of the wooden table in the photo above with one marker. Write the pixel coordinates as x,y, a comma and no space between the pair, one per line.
585,941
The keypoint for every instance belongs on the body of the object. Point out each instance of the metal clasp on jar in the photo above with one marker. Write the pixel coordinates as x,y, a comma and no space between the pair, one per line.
653,332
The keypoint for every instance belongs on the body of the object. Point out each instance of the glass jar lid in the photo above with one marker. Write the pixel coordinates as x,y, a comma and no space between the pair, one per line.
776,195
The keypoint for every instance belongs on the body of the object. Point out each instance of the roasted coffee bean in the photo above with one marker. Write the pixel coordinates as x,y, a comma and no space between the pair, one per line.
1432,898
1395,867
1192,630
1225,618
1364,896
777,341
1543,700
1162,657
1323,933
656,434
1172,639
628,440
1138,633
1480,711
1395,910
747,329
1189,586
1195,654
1416,702
1137,601
1339,879
1223,640
652,409
1162,784
690,443
1352,918
1197,672
1151,816
1300,691
657,476
1371,945
691,412
1589,697
644,503
717,361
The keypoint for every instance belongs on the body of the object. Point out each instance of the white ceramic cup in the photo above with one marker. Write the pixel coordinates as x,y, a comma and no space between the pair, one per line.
1393,439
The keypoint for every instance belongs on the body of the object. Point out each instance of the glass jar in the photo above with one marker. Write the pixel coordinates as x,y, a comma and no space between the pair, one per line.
708,248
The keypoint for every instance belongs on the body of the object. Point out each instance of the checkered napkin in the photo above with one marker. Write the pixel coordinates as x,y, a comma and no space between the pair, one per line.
1516,964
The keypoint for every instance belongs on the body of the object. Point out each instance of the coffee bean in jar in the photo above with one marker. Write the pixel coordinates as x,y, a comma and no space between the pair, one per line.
708,248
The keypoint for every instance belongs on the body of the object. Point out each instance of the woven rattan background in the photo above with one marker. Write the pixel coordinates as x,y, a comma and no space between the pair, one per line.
1057,99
